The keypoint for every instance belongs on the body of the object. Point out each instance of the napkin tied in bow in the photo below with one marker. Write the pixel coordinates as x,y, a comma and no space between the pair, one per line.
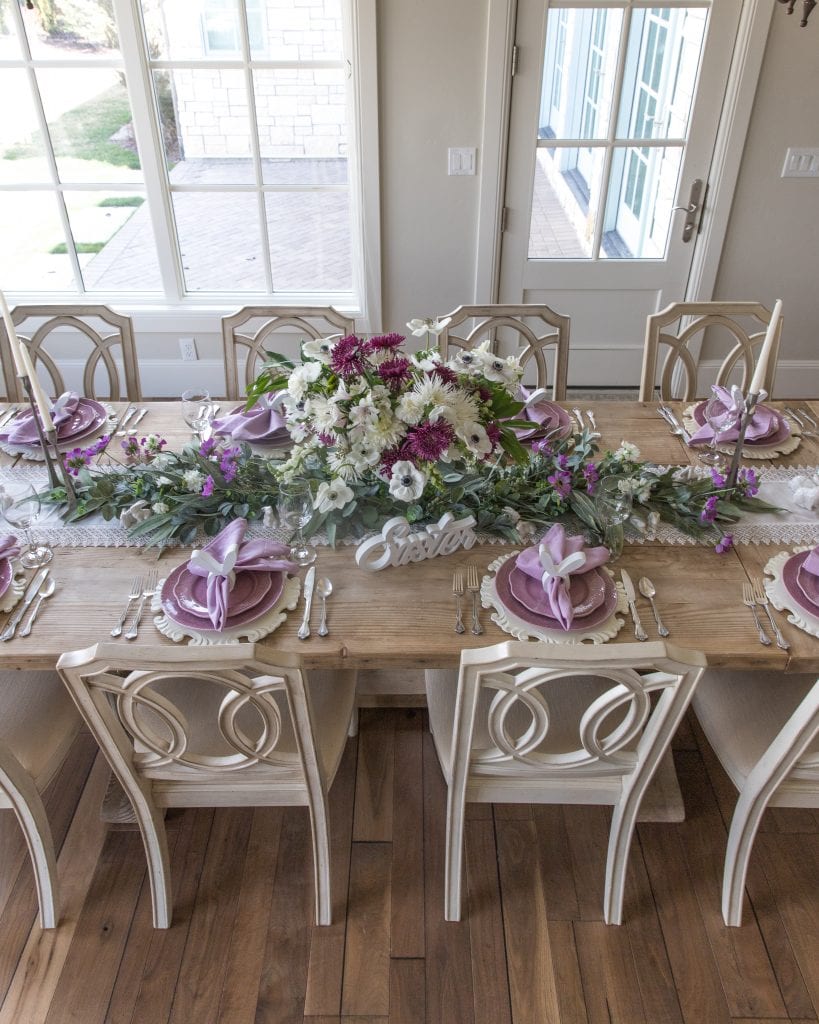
539,409
556,559
228,554
23,429
9,547
764,422
257,424
811,563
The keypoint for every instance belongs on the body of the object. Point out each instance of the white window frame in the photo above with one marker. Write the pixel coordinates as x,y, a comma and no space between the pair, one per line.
169,311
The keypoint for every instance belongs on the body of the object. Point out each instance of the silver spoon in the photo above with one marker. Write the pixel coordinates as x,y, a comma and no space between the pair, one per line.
647,589
45,591
323,589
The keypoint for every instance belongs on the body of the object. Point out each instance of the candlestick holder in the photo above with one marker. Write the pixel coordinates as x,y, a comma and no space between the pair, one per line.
749,404
58,475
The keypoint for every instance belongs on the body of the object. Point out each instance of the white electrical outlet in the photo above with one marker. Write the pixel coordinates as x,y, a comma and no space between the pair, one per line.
187,348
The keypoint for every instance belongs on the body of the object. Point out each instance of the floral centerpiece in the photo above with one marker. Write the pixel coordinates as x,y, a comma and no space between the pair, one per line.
378,432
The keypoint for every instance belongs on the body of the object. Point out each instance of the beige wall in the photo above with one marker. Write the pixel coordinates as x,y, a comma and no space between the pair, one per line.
772,246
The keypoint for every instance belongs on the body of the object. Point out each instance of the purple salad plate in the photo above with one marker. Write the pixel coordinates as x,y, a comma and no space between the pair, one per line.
191,592
202,623
587,591
594,618
90,416
802,586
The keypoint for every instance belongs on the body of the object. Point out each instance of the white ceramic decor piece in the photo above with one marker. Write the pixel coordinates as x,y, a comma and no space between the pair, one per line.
523,630
397,544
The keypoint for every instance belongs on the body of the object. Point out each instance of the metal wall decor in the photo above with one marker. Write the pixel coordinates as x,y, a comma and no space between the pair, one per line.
807,7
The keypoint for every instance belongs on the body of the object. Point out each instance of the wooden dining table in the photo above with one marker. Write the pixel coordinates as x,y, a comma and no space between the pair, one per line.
402,618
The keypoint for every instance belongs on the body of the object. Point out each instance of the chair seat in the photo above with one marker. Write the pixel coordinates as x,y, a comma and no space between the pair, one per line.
38,721
741,712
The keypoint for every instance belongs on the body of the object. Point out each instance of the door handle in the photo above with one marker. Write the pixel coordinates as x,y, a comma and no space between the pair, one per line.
692,207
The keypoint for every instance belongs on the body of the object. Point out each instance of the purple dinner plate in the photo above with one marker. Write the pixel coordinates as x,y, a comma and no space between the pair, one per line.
90,415
5,575
191,592
777,437
594,618
587,591
803,587
546,416
201,624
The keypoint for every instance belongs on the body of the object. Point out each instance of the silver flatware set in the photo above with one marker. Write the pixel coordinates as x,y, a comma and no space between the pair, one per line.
39,589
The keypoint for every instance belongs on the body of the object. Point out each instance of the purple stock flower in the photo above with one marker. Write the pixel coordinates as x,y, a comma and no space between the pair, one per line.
748,481
75,460
207,446
429,441
725,544
591,477
717,478
130,446
542,447
709,512
207,487
228,464
562,483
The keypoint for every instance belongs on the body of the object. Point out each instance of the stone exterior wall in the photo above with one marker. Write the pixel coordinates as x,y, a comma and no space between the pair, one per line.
300,112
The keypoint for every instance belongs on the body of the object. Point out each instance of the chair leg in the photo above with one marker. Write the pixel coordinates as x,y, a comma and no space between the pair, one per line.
620,836
352,729
454,857
151,823
744,824
30,812
321,861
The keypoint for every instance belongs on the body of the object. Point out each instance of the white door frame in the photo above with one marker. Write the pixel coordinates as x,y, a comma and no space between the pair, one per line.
743,76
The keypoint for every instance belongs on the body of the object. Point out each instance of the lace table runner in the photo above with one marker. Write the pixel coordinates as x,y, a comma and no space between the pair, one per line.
794,525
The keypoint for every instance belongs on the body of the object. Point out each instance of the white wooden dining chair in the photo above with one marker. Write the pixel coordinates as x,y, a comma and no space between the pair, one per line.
38,723
251,330
232,725
528,331
535,723
764,728
97,339
740,326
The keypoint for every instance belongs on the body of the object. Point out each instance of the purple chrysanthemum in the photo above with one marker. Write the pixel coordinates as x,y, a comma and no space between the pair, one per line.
384,341
395,372
430,440
390,456
347,358
444,374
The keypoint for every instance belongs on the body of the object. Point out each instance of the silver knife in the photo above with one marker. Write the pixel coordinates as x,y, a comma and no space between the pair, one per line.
628,586
31,593
309,583
671,418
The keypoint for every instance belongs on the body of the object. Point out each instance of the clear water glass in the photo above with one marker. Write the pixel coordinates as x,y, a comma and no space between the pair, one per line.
198,410
612,507
719,419
21,514
295,509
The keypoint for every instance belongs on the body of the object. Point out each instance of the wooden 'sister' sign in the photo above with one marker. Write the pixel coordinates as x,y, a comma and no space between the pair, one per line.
398,545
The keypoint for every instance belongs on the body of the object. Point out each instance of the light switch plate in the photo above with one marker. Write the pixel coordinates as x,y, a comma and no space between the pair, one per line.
801,163
461,160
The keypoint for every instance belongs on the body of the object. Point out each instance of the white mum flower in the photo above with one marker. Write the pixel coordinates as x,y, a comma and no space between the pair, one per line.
430,391
159,508
409,408
627,452
460,410
342,466
193,480
320,348
406,482
324,413
332,494
386,432
475,438
301,377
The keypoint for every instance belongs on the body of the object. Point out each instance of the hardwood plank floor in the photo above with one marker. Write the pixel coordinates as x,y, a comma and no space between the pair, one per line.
531,948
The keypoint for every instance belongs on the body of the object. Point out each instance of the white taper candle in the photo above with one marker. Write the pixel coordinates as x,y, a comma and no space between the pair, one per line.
40,398
14,341
761,368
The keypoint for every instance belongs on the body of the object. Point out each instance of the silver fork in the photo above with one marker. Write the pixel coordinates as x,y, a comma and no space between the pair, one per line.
148,591
802,422
578,415
749,600
473,586
133,595
122,428
761,598
458,591
140,416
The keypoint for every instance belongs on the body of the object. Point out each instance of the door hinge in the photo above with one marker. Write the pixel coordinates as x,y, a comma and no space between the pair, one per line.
514,65
504,218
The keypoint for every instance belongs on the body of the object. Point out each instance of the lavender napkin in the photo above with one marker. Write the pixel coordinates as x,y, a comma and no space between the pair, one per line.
23,429
9,547
229,553
554,561
764,422
811,563
257,424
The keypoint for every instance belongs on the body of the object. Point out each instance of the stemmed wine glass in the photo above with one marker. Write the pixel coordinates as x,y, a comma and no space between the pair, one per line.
198,410
295,512
21,514
719,419
612,505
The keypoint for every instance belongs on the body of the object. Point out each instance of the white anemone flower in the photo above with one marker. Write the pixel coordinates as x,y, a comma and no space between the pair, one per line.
428,325
301,377
364,455
466,361
363,413
320,348
407,482
502,371
342,465
332,494
475,438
